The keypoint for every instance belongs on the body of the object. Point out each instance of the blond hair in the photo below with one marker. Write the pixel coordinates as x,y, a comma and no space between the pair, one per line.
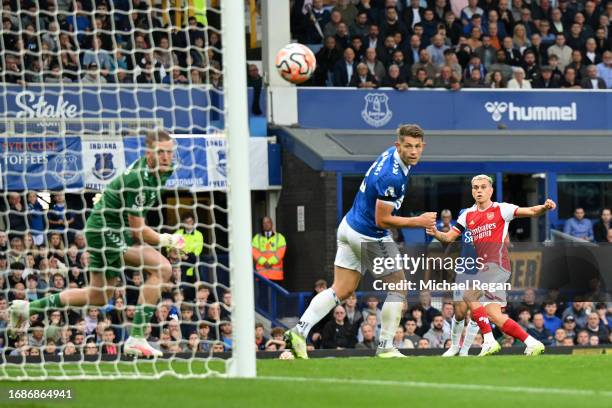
482,177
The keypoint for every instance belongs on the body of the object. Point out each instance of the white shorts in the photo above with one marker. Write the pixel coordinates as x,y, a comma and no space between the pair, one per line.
349,253
492,273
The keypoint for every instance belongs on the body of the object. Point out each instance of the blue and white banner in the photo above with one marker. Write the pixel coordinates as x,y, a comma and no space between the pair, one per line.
201,162
102,161
446,110
182,110
50,163
53,163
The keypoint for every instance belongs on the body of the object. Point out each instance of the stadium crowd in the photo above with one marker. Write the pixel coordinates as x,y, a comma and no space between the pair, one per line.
453,44
100,41
424,326
42,251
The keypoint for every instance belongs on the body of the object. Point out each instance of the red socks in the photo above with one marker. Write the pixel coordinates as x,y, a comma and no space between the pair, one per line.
513,329
482,320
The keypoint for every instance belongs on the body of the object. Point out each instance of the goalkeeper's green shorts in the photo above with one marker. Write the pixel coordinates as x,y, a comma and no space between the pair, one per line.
106,248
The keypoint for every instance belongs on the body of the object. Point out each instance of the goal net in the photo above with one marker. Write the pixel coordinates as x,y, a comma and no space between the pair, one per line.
83,84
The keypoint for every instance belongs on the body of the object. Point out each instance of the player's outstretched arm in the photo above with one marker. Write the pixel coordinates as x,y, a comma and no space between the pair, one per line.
536,210
143,233
385,218
444,237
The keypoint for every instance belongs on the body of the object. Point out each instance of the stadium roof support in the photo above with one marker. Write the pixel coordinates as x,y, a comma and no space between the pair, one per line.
352,151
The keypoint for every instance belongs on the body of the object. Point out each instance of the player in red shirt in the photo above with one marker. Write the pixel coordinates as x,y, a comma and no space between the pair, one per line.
488,223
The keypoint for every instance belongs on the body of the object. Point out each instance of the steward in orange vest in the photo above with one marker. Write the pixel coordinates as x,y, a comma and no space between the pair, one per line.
268,251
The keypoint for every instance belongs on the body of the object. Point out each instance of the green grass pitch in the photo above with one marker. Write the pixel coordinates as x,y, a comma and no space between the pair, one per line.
500,381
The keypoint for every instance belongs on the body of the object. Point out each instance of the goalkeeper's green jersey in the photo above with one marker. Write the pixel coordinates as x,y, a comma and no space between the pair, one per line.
134,192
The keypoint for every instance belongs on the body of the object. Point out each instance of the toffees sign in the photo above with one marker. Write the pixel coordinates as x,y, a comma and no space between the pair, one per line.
343,108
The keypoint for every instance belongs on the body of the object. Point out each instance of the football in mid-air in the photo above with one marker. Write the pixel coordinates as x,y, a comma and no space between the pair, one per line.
295,63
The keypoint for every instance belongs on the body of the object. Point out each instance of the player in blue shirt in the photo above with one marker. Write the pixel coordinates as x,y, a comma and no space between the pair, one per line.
374,211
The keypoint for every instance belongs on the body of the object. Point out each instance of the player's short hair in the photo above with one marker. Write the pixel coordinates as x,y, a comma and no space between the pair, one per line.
446,213
482,177
157,136
410,130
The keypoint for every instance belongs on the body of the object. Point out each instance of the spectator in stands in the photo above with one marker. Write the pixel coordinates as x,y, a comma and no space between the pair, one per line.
578,312
98,55
276,338
372,308
395,79
260,339
337,334
36,218
92,75
539,331
444,79
559,338
601,227
595,327
327,57
423,343
345,68
421,80
496,80
569,326
371,320
519,81
176,77
426,65
436,334
582,338
375,67
513,56
410,326
362,78
400,341
315,20
546,80
604,68
561,50
578,226
475,80
369,340
551,321
570,79
194,244
592,80
436,50
354,317
17,219
269,248
360,27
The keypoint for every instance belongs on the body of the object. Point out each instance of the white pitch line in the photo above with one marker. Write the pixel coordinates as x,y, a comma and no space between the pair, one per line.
461,387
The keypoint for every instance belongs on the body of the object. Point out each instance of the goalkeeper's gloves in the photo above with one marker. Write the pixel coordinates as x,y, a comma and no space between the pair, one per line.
96,199
172,240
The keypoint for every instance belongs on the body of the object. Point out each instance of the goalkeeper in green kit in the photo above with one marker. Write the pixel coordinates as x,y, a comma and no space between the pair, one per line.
117,237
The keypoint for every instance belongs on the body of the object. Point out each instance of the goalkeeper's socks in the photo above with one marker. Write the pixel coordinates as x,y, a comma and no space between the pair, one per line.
456,330
48,302
513,329
391,314
320,305
142,317
470,334
482,320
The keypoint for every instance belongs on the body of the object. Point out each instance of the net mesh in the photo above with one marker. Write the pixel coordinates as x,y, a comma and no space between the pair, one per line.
83,82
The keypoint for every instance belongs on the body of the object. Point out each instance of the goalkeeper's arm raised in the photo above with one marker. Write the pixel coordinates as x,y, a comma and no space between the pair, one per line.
143,233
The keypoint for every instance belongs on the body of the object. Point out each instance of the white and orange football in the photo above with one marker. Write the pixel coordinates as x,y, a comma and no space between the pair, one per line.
295,63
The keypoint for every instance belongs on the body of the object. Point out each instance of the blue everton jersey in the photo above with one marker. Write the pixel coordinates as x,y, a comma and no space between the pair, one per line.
386,180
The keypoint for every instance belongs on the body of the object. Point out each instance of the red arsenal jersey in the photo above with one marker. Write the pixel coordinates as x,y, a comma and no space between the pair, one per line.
488,230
